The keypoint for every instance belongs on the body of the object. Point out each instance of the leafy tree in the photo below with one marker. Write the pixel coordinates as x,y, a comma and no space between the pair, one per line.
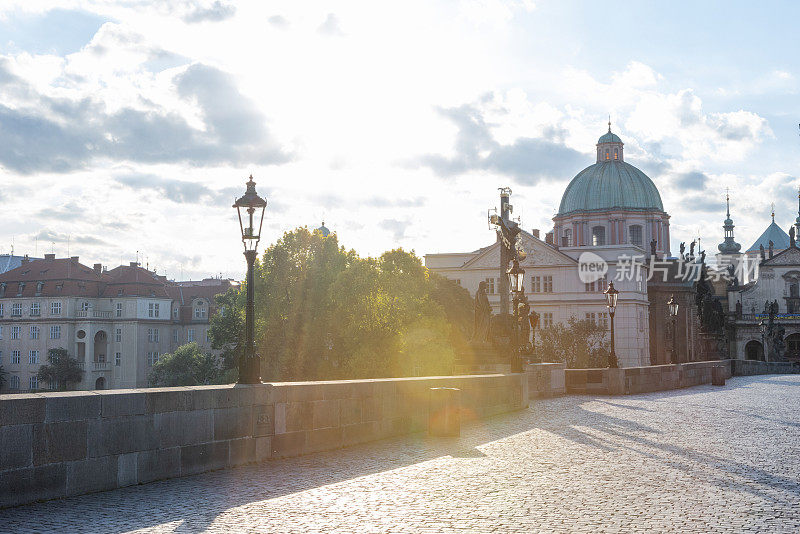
227,327
324,313
61,369
187,366
580,344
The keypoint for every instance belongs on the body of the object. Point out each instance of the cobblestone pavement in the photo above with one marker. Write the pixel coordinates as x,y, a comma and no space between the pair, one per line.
703,459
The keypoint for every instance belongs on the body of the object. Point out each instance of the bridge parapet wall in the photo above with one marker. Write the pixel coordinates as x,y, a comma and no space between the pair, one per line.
62,444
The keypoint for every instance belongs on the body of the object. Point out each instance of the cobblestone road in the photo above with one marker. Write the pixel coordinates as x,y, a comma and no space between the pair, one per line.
697,460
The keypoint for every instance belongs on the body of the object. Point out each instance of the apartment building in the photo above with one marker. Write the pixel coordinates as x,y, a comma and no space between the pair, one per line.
117,323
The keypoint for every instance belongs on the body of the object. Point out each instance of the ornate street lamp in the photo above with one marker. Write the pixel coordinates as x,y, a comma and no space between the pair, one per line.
762,326
250,209
672,304
611,302
516,278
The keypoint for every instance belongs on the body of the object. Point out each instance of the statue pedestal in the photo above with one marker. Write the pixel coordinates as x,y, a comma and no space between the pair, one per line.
481,359
712,346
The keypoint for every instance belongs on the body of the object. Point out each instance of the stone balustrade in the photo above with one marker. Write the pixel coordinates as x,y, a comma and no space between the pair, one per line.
70,443
630,380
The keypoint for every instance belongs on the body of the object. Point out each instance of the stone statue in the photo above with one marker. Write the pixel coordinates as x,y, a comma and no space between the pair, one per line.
533,319
483,316
771,247
653,245
761,249
778,344
738,308
791,236
683,248
732,281
691,249
703,257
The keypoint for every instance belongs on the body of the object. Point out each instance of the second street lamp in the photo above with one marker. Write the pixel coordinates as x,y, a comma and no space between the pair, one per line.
611,302
673,315
516,281
250,208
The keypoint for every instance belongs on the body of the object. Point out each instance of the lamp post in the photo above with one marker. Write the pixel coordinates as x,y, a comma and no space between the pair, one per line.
516,276
250,208
762,326
611,302
673,314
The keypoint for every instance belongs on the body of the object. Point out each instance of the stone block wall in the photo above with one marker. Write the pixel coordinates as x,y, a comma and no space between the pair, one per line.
545,379
631,380
755,367
61,444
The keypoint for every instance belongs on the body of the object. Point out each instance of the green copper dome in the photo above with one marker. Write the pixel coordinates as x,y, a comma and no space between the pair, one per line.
609,138
610,185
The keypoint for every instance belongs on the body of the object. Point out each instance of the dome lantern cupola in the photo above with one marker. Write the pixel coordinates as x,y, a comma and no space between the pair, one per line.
609,147
729,246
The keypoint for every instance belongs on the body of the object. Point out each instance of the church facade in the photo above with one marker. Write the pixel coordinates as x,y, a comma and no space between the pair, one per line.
612,210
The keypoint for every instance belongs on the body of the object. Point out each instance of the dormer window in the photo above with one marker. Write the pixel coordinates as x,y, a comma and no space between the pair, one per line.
21,289
39,287
2,289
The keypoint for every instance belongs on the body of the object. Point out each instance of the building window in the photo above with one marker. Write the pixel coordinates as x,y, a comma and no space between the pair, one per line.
567,241
118,335
606,154
16,309
490,286
1,309
603,319
55,332
14,383
200,311
616,153
33,382
55,308
591,317
36,309
152,358
1,332
175,337
119,309
15,356
1,356
117,358
175,312
15,332
152,335
588,287
208,337
152,309
635,233
536,284
598,236
33,357
84,306
34,332
547,283
190,335
547,319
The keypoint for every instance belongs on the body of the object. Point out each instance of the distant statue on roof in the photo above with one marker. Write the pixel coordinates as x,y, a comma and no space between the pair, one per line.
791,237
683,248
653,245
771,247
738,308
761,250
703,257
691,249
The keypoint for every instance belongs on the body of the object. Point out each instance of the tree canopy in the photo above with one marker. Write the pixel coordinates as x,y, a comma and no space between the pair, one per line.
187,366
61,369
326,313
580,344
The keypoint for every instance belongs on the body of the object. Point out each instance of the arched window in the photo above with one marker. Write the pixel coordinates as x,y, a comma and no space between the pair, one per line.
616,153
598,236
635,233
567,237
793,290
606,153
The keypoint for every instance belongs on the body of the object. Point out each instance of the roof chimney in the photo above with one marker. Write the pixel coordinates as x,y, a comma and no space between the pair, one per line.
74,258
548,238
25,259
134,264
535,233
49,257
98,268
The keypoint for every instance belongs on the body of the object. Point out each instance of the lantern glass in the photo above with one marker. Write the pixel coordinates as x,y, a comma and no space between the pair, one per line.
611,297
673,306
250,209
516,277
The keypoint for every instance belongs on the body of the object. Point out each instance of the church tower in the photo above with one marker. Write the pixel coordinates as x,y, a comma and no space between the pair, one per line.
729,249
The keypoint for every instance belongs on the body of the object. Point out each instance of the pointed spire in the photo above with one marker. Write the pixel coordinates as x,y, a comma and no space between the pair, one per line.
728,202
729,245
609,123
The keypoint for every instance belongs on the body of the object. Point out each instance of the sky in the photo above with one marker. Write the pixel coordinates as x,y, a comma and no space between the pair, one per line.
128,128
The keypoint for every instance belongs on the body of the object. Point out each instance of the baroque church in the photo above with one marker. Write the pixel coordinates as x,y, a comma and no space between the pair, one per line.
611,209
